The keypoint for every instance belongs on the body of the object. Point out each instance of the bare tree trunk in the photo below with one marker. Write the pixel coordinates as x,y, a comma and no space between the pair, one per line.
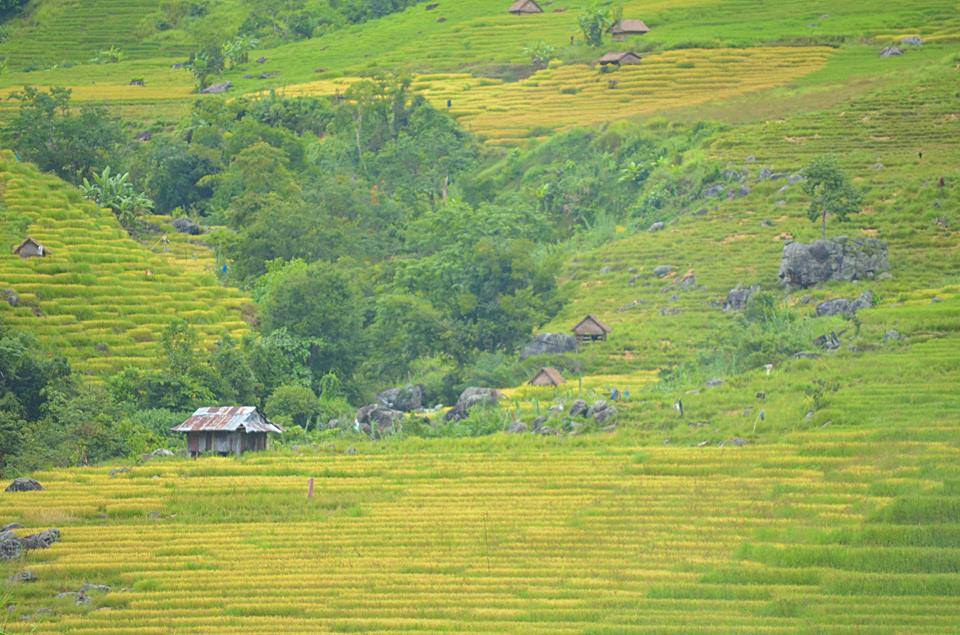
823,225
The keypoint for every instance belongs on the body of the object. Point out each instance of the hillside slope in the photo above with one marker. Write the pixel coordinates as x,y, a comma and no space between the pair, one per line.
101,298
816,492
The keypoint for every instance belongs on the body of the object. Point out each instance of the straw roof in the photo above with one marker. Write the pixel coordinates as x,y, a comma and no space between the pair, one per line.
525,6
591,326
627,57
629,27
547,376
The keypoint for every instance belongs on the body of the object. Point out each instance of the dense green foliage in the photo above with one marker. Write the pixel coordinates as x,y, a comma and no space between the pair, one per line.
46,131
50,417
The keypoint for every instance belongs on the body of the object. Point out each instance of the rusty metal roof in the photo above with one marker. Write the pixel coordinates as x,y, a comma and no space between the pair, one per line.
228,419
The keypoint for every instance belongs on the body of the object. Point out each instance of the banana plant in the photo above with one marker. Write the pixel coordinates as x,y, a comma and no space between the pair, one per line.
116,192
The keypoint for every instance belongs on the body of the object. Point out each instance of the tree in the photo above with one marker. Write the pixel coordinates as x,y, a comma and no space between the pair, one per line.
295,403
597,20
830,192
321,305
540,53
116,192
8,7
49,132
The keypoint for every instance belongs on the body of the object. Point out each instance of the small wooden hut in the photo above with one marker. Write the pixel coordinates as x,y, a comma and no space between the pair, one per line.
30,248
227,430
591,329
524,7
547,376
619,59
626,28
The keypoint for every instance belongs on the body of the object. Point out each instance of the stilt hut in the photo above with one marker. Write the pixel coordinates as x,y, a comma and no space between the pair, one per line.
227,430
591,329
547,376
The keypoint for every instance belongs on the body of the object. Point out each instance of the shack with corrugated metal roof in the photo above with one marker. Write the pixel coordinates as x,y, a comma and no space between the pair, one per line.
227,430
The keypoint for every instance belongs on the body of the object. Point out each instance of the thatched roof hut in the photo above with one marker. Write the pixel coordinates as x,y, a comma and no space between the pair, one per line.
522,7
547,376
625,28
30,248
591,328
620,58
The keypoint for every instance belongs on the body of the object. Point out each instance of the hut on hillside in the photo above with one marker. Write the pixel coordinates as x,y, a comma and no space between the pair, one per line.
625,28
547,376
591,329
30,248
524,7
619,59
227,430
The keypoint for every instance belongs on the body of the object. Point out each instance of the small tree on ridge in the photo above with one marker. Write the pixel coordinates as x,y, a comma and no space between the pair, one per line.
831,192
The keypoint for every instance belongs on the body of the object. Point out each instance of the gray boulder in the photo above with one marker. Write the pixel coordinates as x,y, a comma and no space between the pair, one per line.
740,192
738,297
518,427
217,89
80,597
891,336
913,40
805,265
11,547
601,411
663,270
24,485
579,408
715,190
547,431
471,398
891,51
24,576
42,540
550,344
657,226
10,297
187,226
828,342
845,307
377,421
405,399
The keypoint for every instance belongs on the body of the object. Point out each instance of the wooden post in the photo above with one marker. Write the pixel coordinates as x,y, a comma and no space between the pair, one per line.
310,488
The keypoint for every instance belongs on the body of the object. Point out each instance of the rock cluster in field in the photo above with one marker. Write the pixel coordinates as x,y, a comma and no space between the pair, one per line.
12,546
805,265
405,399
738,297
844,306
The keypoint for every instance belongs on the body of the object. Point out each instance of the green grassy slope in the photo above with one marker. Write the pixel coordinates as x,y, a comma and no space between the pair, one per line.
101,298
839,517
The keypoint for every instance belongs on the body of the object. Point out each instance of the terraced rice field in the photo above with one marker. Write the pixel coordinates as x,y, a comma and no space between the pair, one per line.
101,298
817,532
572,95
